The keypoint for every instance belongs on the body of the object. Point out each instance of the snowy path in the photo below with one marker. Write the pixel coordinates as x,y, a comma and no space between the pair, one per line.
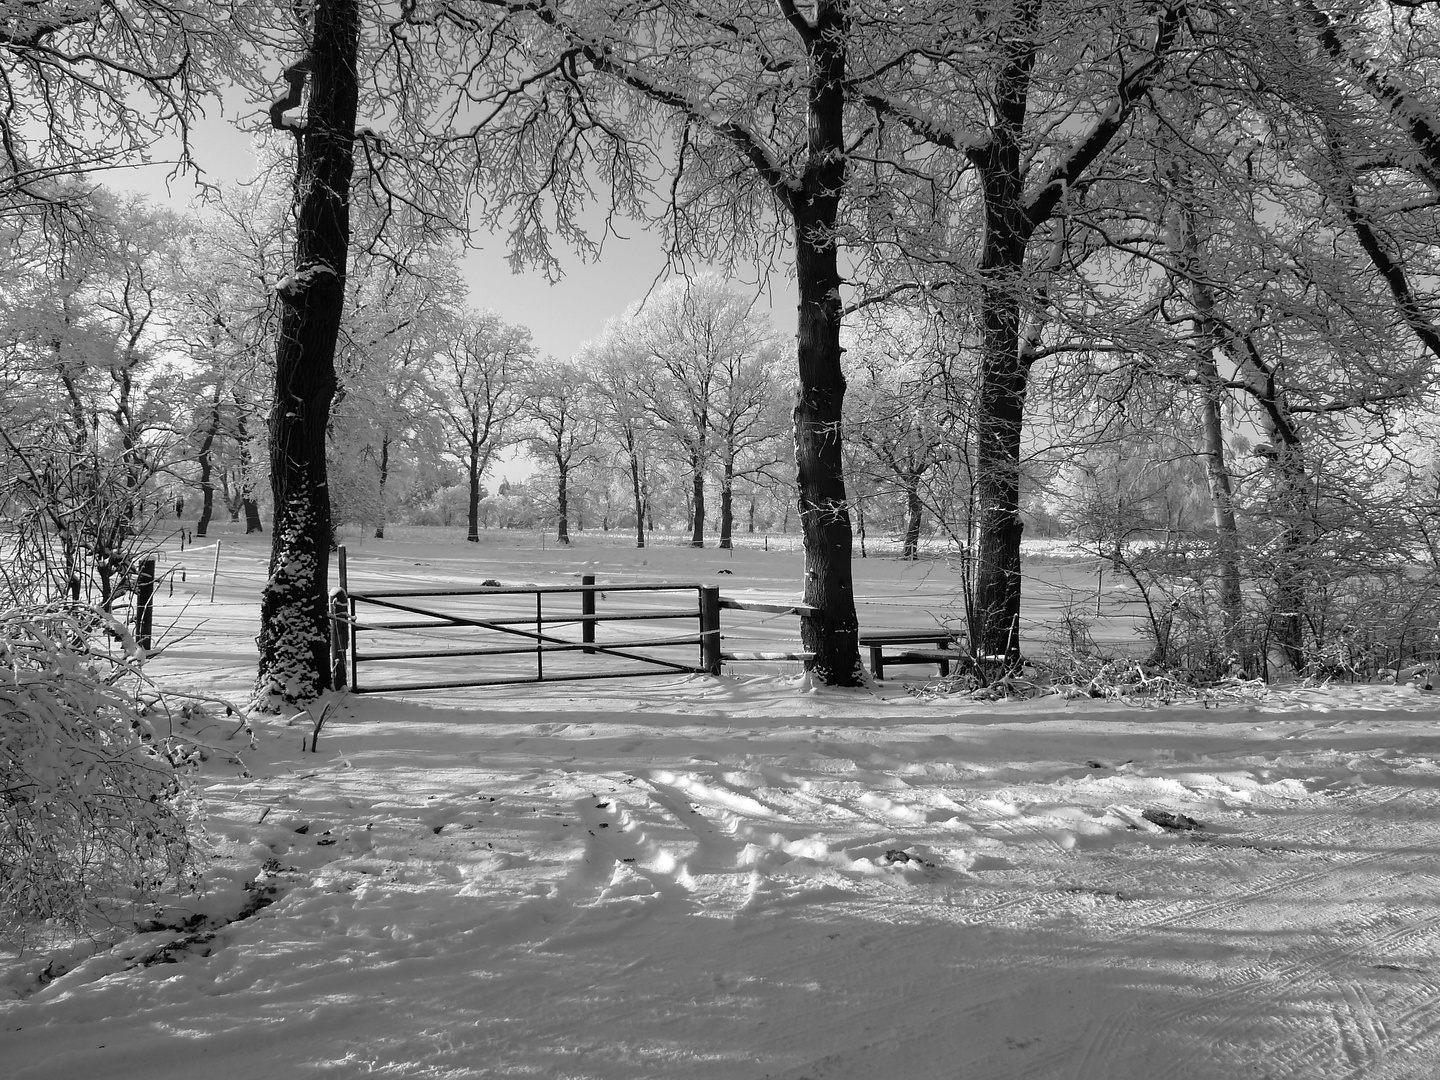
746,878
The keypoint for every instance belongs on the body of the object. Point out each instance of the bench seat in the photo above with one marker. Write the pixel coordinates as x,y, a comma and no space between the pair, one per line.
944,649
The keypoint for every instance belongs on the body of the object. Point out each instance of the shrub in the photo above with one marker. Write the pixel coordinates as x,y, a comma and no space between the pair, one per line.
96,807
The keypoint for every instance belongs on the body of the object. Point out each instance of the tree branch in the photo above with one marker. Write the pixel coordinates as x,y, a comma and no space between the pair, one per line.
1396,101
1128,93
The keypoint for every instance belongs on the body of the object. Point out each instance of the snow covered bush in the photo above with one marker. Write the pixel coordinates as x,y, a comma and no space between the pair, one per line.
96,810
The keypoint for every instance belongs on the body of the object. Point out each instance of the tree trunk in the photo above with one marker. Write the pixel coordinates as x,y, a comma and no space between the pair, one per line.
1292,503
384,478
999,418
1217,470
294,632
831,632
637,492
231,498
248,504
1000,402
562,502
1222,508
914,511
859,505
207,466
727,502
697,501
472,519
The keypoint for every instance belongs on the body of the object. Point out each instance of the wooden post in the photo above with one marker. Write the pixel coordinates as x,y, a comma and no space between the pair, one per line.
539,644
342,635
145,603
710,629
215,574
339,637
587,611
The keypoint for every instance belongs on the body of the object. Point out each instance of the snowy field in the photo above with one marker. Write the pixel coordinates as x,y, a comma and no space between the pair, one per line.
749,877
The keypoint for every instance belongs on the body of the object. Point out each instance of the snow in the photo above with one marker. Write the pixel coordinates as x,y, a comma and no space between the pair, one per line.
750,876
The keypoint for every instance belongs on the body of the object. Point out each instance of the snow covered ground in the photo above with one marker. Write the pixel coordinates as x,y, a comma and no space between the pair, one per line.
747,877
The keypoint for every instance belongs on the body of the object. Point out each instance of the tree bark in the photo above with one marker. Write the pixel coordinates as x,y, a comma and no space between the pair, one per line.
637,492
206,459
697,500
914,514
247,483
727,503
384,478
562,502
831,631
294,631
1222,509
1211,337
1292,485
1000,413
1000,402
231,499
472,521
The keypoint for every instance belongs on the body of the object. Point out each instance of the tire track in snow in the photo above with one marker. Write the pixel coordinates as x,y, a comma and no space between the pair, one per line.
1355,1027
983,990
1346,1040
1096,1061
1358,1031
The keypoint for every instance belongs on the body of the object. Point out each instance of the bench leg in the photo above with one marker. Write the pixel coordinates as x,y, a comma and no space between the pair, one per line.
877,661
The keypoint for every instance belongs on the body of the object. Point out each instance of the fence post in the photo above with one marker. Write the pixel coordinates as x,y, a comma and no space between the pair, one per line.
341,570
339,638
145,603
710,629
215,573
587,611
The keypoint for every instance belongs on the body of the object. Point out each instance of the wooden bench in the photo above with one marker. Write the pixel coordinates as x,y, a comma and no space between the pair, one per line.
944,649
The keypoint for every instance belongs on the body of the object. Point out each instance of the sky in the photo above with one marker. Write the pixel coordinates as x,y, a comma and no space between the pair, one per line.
561,316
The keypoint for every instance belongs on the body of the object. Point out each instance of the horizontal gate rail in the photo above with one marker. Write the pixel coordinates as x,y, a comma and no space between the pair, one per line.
547,645
531,590
439,621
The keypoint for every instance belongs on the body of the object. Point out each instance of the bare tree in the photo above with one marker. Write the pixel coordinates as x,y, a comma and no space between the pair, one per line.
756,101
1024,161
478,384
294,637
899,413
564,430
615,381
93,87
89,405
703,361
